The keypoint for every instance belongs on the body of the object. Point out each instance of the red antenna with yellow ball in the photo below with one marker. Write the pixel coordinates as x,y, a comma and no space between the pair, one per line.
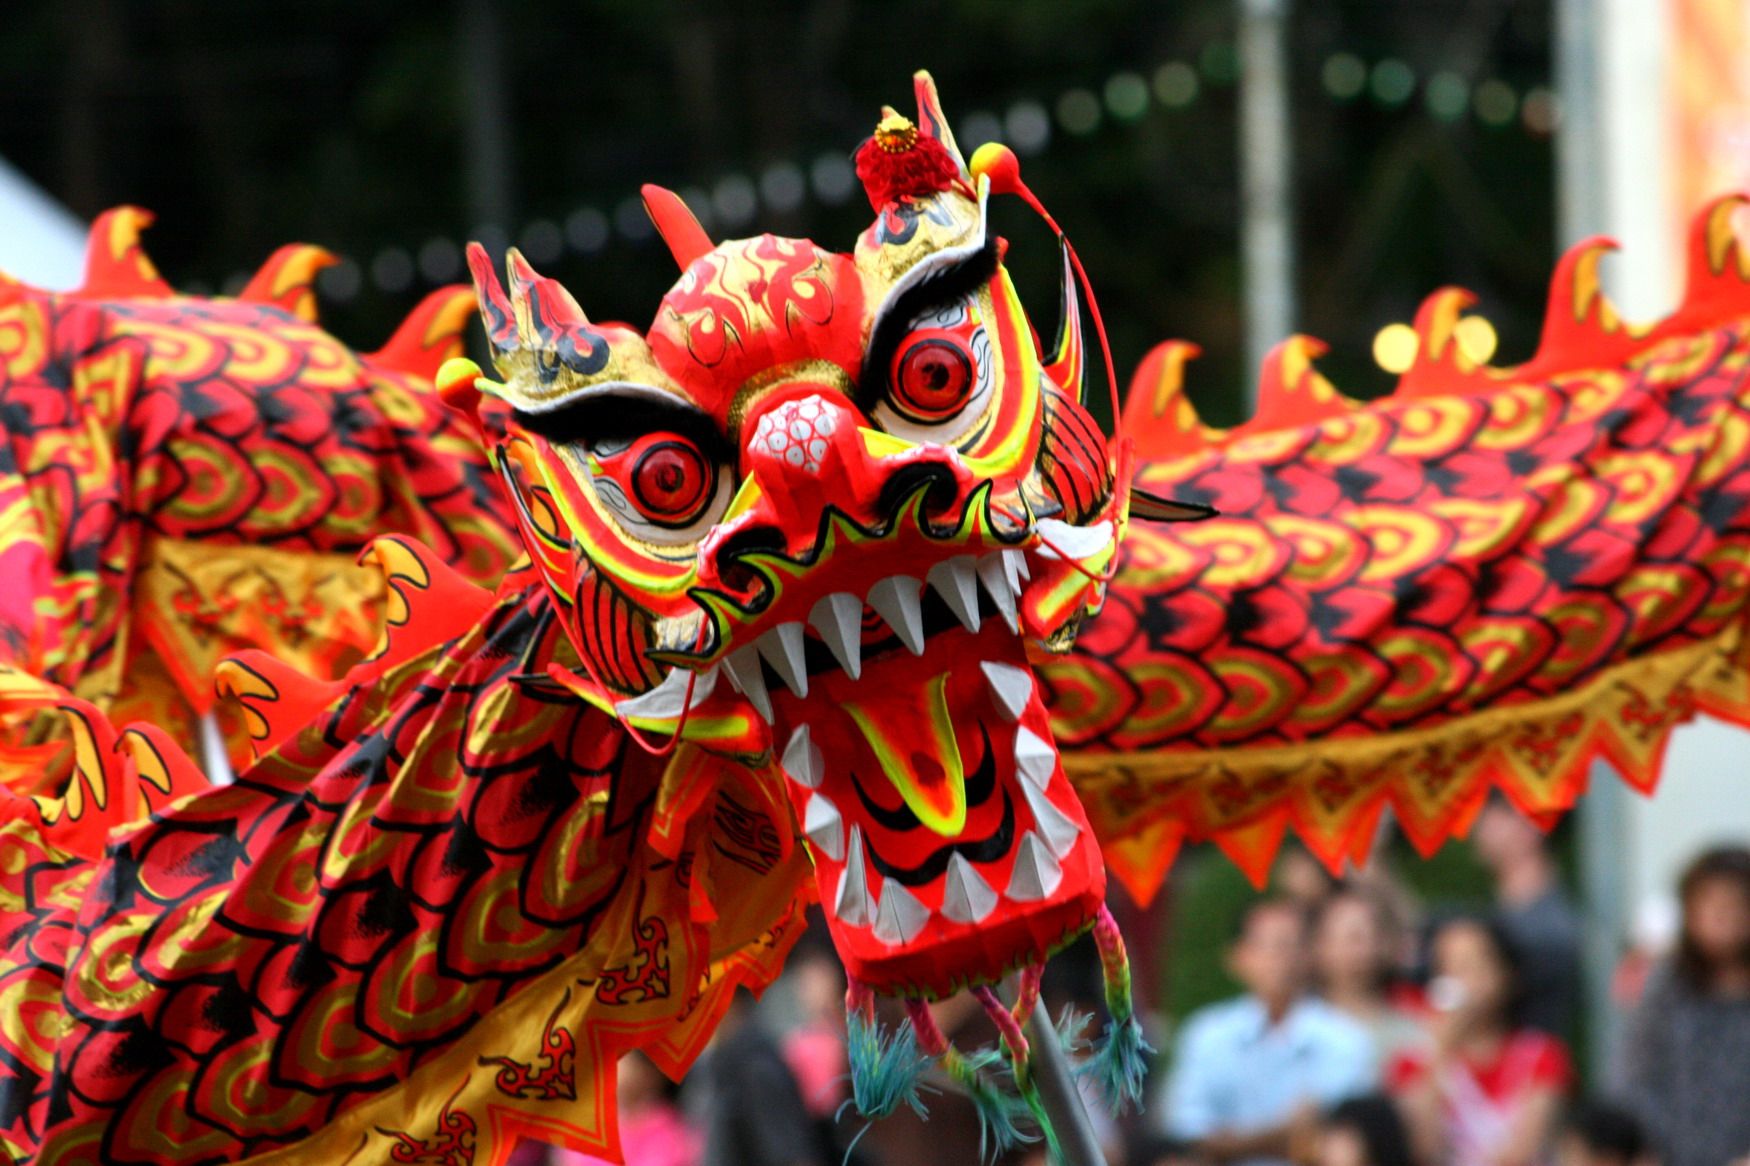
997,164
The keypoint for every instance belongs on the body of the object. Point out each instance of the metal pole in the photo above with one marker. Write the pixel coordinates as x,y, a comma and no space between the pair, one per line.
1609,74
1580,178
1058,1092
1582,209
1266,178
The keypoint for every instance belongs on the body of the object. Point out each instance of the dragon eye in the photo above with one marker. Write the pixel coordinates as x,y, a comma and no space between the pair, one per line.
931,379
670,479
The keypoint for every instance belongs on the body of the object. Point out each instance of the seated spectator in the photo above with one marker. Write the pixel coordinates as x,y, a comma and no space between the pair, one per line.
1603,1135
751,1108
1536,913
815,1048
1363,1131
1488,1089
1250,1075
1355,965
1686,1062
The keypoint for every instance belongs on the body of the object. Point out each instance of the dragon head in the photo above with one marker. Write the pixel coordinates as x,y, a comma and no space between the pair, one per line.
821,514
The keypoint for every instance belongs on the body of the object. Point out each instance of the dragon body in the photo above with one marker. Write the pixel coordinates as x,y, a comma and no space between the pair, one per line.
1487,580
796,619
183,478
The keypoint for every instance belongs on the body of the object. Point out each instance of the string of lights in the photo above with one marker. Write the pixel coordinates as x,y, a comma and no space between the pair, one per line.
1029,127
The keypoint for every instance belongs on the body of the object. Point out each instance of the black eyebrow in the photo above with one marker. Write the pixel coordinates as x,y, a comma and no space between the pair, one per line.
612,417
947,285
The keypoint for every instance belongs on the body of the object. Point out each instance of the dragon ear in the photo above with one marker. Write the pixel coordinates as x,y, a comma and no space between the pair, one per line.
544,311
495,310
676,223
1067,364
931,123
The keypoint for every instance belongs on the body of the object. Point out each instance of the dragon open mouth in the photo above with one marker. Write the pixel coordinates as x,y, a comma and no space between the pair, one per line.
919,760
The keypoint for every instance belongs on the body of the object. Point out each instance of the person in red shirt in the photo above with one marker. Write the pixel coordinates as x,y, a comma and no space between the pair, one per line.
1487,1091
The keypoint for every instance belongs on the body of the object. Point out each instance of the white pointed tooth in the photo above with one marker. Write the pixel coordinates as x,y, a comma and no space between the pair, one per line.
802,760
1035,757
966,897
1010,686
1036,874
782,648
1015,563
825,827
839,620
996,582
1058,828
899,601
1059,538
956,581
743,666
665,700
901,916
852,904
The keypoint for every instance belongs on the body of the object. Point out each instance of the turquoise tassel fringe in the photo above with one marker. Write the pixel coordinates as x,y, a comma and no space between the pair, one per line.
1118,1063
887,1068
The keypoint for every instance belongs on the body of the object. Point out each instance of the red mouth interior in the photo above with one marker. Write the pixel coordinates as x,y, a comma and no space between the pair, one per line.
948,845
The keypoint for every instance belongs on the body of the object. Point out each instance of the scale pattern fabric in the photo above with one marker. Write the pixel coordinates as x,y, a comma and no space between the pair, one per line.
1486,580
416,930
181,478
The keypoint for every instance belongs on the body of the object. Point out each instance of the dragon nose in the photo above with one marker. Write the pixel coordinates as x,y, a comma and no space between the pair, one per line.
807,449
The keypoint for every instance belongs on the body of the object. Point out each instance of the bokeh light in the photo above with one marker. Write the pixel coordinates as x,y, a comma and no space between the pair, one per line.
1394,347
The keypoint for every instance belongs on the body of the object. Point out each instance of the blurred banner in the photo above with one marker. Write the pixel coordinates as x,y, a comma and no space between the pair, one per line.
1709,93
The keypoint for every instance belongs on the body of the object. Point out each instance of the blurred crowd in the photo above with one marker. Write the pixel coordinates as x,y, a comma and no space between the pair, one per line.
1370,1030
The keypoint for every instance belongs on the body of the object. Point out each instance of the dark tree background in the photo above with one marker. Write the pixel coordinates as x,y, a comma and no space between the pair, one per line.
383,128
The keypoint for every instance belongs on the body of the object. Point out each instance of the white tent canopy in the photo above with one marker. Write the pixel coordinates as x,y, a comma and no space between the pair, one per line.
42,243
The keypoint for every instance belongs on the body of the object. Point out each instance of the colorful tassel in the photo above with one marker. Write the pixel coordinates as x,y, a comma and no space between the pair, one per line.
887,1068
1021,1063
998,1110
1119,1060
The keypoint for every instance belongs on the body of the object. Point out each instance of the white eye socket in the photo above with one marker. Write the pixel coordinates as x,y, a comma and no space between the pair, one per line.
939,378
662,487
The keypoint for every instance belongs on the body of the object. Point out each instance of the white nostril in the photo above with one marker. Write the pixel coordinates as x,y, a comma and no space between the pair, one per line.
795,432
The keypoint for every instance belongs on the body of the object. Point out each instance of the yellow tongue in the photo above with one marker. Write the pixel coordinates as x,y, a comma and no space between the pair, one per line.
912,737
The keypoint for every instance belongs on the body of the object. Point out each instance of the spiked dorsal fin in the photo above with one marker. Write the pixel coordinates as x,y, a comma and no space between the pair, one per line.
1581,327
277,700
425,602
1717,283
116,266
166,772
431,334
1291,392
1441,366
1157,414
287,280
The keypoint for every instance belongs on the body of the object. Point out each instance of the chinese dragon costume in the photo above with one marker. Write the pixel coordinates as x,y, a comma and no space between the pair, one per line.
803,610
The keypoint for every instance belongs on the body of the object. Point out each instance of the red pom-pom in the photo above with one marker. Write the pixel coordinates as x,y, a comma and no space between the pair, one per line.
898,162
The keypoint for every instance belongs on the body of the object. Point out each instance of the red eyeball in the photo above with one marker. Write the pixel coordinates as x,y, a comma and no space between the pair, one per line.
931,379
670,480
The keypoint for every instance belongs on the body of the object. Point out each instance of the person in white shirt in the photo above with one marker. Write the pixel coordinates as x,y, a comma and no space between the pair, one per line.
1251,1074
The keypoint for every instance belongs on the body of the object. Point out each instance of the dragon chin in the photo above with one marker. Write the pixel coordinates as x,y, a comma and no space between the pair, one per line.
926,781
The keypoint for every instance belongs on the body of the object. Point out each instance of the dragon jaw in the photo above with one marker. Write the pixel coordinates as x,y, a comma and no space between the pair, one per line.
915,749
